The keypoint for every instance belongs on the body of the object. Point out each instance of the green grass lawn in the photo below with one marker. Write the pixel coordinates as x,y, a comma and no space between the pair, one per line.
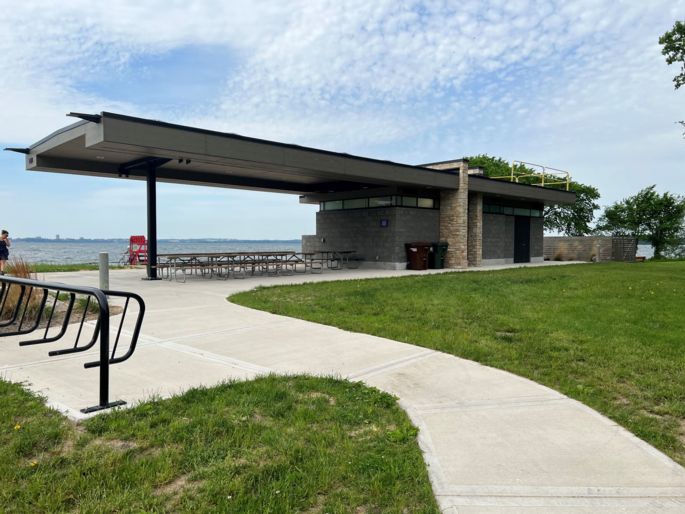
610,335
272,445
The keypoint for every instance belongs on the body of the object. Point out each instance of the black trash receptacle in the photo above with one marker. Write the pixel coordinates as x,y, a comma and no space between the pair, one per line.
436,259
417,255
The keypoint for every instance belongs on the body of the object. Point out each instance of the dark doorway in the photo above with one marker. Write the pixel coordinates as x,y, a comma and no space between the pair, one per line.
521,239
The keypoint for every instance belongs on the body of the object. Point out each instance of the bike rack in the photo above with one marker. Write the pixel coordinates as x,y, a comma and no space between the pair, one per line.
13,318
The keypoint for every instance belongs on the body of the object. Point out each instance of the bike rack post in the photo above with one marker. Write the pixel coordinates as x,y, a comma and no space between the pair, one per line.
104,402
100,332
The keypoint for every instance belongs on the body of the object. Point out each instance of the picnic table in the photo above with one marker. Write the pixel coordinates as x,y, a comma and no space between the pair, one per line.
241,264
333,259
223,264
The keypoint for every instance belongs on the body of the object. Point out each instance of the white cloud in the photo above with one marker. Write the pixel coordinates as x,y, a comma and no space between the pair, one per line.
48,49
579,85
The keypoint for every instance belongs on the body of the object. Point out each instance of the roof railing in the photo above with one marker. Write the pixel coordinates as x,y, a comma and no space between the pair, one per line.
542,175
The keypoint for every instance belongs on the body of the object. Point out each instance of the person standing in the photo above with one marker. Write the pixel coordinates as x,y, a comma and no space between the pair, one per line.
5,243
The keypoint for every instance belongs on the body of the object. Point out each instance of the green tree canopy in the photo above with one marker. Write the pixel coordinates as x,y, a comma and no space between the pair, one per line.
673,49
647,215
571,220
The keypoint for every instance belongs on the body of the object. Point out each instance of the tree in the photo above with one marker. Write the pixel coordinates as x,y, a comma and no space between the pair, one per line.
674,50
572,220
677,250
648,215
673,43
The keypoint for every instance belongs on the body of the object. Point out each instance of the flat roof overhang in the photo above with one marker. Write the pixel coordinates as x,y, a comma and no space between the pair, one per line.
507,189
114,145
489,187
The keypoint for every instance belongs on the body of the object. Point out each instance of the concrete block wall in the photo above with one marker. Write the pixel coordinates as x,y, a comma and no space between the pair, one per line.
414,225
537,237
360,230
498,239
590,248
311,243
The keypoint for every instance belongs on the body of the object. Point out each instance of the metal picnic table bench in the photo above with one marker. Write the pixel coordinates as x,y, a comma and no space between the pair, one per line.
242,264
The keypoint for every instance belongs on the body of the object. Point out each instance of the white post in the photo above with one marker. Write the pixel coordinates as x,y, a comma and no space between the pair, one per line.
104,270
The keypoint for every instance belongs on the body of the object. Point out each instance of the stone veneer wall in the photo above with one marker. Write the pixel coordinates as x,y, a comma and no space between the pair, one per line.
454,207
361,230
590,248
475,229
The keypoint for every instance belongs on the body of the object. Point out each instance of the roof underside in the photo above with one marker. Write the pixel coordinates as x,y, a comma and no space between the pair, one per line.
114,145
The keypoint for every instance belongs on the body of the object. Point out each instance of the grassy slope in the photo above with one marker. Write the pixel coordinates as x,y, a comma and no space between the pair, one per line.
272,445
609,335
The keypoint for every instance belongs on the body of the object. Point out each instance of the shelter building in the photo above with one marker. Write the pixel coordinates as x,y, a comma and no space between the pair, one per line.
368,205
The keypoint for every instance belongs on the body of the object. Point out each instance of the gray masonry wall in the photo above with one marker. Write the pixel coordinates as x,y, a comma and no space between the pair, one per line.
498,239
590,248
537,237
360,230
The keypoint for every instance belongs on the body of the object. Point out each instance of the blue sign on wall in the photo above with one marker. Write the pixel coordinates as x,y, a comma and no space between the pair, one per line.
385,223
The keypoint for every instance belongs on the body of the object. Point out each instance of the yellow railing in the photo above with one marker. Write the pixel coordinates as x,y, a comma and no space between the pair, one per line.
547,176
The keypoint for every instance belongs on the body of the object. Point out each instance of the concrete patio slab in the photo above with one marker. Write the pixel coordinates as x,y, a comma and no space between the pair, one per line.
282,348
493,442
521,437
436,389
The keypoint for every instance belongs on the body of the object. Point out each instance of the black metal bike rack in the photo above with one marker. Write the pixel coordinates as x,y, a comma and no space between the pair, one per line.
13,319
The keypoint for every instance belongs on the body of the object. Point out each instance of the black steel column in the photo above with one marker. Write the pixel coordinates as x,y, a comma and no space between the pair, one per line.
151,221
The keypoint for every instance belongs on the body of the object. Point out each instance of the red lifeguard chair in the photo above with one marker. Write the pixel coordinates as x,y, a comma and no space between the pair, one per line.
137,250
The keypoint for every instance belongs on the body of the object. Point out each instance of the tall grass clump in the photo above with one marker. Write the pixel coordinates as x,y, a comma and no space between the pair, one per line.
19,268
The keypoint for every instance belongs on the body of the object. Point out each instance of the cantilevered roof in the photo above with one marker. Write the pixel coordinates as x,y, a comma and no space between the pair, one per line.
115,145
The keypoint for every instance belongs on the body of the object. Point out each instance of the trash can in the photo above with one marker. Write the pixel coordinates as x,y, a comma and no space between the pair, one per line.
417,255
436,259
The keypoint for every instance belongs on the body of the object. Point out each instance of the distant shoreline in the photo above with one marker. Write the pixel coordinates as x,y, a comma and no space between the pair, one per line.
175,240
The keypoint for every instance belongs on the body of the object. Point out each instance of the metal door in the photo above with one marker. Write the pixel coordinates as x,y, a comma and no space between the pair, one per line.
521,239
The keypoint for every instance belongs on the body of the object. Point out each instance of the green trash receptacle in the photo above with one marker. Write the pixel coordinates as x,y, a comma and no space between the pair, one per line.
436,259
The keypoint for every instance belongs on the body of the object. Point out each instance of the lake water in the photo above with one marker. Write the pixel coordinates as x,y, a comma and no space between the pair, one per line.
87,251
645,251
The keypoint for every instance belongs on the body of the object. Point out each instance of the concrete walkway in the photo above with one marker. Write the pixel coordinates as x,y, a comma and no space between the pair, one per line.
493,442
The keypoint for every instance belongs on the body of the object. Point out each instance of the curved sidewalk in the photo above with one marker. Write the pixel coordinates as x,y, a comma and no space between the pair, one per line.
493,441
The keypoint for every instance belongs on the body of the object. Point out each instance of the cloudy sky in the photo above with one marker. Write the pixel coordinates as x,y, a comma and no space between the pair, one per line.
578,85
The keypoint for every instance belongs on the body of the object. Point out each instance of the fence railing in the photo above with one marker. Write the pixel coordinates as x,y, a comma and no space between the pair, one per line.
29,306
537,175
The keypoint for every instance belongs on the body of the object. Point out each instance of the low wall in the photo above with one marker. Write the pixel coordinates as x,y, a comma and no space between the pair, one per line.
590,248
376,235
